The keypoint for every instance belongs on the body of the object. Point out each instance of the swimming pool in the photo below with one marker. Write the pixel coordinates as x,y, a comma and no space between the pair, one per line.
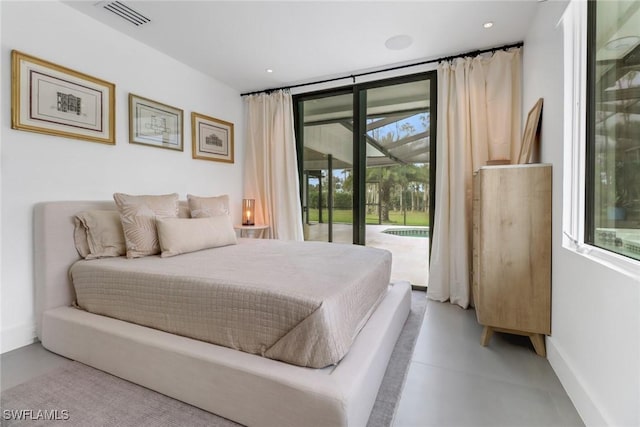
408,232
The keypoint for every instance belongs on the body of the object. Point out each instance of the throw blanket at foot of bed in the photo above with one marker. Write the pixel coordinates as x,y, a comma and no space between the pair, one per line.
299,302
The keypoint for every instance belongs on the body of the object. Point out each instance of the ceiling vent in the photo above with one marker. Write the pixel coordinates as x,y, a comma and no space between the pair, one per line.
125,12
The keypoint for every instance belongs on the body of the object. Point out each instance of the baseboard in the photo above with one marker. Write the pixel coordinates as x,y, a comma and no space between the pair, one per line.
17,336
579,394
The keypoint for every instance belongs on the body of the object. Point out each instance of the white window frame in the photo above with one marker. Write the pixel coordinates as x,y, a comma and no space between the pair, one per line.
574,22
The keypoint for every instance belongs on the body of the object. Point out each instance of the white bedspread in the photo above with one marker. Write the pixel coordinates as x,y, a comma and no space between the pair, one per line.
298,302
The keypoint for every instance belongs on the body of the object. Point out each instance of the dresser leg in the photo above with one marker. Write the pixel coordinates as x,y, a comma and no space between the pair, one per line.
487,332
538,344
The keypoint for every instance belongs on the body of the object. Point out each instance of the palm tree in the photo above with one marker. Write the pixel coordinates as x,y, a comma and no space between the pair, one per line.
394,180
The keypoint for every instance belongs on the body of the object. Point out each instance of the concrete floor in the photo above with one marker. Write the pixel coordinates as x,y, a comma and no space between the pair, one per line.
410,254
454,381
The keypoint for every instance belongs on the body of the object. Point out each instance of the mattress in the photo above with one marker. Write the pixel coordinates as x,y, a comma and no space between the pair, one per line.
298,302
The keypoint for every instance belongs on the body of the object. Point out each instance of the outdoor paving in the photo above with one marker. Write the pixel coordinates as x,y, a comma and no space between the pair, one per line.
410,254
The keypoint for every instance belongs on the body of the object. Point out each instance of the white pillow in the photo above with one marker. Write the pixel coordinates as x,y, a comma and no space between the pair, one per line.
202,207
181,235
138,215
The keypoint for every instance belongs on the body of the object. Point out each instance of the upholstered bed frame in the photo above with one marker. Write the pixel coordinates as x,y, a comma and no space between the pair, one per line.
248,389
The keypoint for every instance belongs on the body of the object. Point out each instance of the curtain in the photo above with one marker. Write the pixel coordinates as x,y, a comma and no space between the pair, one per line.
479,113
271,167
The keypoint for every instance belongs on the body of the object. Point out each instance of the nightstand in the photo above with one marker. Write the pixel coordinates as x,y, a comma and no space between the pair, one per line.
252,231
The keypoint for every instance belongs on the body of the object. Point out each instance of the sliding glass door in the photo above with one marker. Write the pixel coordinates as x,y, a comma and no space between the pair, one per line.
398,136
327,159
365,157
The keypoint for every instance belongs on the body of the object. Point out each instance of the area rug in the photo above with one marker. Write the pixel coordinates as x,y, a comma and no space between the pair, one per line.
76,395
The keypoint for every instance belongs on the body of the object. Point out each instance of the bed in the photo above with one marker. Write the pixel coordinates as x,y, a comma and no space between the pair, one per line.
240,386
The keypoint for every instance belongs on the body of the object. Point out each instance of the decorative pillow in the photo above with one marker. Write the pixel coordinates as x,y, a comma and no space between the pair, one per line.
180,235
183,209
98,234
138,216
204,207
80,238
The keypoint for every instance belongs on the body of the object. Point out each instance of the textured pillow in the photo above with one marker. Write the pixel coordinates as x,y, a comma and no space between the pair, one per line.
180,235
98,234
204,207
138,216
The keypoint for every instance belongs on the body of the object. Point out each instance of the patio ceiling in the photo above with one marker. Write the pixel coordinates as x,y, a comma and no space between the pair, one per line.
328,127
617,70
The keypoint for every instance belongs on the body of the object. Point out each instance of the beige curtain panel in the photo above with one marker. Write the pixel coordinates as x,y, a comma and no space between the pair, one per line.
479,117
271,166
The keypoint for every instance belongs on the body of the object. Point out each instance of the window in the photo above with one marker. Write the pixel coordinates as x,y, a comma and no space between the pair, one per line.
612,220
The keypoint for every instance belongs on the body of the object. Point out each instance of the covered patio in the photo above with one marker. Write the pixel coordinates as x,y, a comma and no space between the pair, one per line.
410,254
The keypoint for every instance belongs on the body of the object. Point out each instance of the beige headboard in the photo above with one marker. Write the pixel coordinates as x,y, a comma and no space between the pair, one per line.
54,251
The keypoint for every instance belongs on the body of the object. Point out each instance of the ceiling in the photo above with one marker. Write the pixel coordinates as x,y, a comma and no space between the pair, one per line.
301,41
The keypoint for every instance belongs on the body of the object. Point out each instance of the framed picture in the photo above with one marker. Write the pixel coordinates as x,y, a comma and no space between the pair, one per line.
530,136
155,124
54,100
212,138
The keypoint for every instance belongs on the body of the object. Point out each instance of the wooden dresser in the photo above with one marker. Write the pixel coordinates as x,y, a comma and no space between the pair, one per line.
512,251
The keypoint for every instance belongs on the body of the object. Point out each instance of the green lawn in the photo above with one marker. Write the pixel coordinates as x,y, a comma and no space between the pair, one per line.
345,216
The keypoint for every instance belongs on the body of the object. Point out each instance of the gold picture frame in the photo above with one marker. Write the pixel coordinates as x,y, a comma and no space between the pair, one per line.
51,99
156,124
530,136
211,138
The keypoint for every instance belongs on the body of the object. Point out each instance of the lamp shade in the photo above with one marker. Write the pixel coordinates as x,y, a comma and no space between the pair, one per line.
248,211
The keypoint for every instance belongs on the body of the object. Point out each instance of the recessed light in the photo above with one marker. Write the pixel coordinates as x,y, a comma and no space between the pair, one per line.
398,42
623,43
269,70
488,24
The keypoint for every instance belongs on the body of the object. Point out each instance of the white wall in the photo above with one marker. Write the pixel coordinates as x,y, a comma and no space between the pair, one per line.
594,347
38,167
2,110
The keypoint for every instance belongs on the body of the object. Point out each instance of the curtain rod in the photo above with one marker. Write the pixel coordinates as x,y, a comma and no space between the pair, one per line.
399,67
